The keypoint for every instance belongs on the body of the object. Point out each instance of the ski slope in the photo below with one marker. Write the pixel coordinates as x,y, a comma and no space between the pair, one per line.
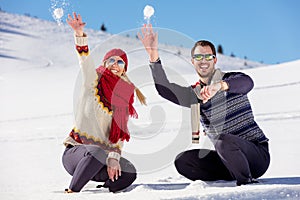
39,77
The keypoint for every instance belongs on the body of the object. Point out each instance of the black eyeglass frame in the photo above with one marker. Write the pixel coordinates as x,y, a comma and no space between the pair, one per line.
207,57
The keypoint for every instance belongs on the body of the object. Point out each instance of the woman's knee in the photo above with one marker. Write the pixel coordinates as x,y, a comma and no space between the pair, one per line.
127,166
129,171
128,176
96,153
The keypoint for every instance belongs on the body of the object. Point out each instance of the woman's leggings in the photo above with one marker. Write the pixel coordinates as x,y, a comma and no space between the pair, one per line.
88,162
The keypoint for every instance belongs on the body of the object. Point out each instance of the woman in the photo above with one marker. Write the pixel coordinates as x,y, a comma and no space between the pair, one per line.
93,148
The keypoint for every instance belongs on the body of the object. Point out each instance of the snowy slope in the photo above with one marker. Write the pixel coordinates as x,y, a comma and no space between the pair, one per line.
39,76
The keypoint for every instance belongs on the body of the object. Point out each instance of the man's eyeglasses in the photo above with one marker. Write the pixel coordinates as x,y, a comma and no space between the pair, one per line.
207,57
112,61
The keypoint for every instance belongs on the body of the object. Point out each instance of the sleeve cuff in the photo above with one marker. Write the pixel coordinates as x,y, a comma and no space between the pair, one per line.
114,155
157,61
81,41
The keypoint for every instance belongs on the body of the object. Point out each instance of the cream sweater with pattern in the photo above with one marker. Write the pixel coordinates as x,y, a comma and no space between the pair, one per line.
92,119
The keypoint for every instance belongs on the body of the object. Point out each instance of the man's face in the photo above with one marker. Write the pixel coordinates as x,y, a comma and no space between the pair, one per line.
204,67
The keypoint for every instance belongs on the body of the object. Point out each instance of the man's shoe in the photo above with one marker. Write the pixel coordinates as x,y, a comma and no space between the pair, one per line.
250,181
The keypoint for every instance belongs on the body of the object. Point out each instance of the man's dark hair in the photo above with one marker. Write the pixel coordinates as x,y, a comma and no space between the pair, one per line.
203,43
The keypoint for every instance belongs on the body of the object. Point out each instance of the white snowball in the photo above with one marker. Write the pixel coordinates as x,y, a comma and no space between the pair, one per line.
148,11
58,13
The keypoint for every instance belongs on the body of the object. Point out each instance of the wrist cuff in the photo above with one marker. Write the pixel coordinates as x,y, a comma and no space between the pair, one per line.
114,155
81,41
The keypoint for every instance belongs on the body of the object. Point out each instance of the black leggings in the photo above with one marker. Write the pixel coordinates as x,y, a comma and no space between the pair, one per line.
233,159
88,162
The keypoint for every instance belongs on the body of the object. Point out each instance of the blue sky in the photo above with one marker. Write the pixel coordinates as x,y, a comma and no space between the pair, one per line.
262,30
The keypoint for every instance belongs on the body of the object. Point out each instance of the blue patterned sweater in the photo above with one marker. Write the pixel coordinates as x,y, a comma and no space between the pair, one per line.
228,112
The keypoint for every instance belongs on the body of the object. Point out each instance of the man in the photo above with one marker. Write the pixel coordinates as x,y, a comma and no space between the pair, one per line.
219,100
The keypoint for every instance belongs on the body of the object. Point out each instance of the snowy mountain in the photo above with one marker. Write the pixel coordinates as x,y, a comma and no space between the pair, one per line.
39,77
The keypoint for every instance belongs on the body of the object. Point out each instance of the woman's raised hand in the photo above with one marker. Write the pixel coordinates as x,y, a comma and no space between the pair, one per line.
76,24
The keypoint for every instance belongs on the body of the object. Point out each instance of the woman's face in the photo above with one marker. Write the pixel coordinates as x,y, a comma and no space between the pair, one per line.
116,65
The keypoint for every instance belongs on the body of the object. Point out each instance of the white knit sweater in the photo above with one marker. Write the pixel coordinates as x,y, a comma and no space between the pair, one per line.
92,119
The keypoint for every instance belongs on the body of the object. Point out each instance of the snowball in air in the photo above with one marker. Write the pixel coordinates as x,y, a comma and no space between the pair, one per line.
148,11
58,13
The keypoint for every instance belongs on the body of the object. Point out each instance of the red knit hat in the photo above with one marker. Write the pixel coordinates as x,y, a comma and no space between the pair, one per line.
117,52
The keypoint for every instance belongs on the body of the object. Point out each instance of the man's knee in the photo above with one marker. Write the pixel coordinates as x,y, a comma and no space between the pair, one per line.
180,162
183,164
224,142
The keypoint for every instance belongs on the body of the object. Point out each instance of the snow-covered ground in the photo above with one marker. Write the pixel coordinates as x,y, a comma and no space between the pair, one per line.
39,76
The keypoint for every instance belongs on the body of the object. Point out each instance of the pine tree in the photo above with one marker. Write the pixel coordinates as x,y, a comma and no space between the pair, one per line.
220,49
245,63
103,28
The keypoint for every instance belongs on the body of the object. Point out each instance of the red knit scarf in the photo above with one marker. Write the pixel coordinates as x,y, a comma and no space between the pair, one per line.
119,95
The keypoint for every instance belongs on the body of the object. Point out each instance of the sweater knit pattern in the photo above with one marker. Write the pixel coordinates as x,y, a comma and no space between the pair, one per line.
93,115
82,50
84,138
102,101
229,113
